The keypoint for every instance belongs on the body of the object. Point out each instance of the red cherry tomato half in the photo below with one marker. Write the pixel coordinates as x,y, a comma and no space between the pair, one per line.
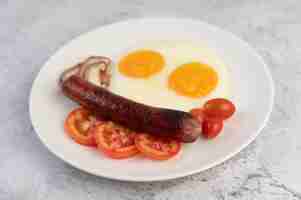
157,148
211,127
78,124
219,108
115,141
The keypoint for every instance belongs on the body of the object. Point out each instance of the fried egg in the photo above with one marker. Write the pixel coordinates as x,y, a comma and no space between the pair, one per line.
176,74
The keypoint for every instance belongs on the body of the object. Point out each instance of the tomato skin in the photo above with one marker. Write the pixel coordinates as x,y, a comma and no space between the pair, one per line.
219,108
102,133
119,154
198,113
211,127
147,145
74,120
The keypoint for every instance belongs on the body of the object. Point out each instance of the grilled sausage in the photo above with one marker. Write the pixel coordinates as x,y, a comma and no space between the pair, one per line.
133,115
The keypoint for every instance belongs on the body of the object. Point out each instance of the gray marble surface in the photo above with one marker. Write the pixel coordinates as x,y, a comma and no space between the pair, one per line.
32,30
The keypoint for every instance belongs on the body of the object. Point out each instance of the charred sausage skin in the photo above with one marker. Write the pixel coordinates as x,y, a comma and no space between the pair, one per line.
133,115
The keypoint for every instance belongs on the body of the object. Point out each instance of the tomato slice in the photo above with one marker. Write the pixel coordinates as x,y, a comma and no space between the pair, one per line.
78,124
115,141
157,148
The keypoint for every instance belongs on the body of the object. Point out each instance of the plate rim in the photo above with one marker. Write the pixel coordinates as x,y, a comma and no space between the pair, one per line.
176,175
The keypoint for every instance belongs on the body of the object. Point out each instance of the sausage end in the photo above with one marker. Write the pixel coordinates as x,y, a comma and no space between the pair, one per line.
191,130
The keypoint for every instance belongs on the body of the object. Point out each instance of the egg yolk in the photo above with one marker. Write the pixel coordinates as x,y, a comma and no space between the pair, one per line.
141,64
193,80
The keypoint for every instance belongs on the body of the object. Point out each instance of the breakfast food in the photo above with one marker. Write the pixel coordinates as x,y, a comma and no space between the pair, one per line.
114,140
143,107
77,125
157,148
82,70
212,116
155,90
211,127
219,108
133,115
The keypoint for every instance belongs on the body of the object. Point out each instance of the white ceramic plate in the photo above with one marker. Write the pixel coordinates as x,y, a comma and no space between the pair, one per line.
252,91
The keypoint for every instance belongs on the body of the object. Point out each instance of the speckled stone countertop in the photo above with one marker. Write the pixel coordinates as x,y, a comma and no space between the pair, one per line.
32,30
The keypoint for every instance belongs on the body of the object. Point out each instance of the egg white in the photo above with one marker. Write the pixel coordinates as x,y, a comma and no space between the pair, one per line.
154,91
